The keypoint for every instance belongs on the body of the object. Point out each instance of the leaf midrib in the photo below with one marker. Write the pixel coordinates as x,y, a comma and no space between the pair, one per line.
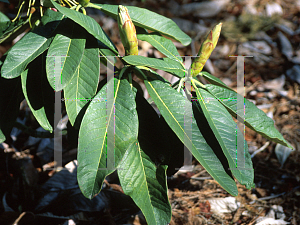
19,64
169,110
145,180
217,134
150,36
101,151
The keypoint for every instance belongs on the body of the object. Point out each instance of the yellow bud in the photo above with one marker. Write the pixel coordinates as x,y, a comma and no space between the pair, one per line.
127,31
205,50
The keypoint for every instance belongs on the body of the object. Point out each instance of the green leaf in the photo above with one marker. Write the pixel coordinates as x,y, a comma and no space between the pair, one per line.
224,129
152,136
38,92
150,73
172,106
3,27
88,23
150,20
50,16
83,85
153,133
104,53
161,43
69,43
145,184
92,165
4,18
166,64
209,136
2,137
214,80
10,30
29,47
255,118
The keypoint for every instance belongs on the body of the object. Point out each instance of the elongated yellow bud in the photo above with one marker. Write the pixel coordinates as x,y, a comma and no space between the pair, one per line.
205,50
127,31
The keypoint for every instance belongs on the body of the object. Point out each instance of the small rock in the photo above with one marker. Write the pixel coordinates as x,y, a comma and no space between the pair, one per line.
264,106
256,49
296,59
271,95
286,46
178,44
294,73
260,88
227,81
209,67
188,26
273,8
270,114
282,153
297,4
220,52
252,100
251,9
285,29
283,93
253,93
262,35
203,9
258,46
276,84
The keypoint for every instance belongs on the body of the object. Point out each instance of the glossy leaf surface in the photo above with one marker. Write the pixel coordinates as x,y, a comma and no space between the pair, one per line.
255,118
171,104
150,20
92,164
166,64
